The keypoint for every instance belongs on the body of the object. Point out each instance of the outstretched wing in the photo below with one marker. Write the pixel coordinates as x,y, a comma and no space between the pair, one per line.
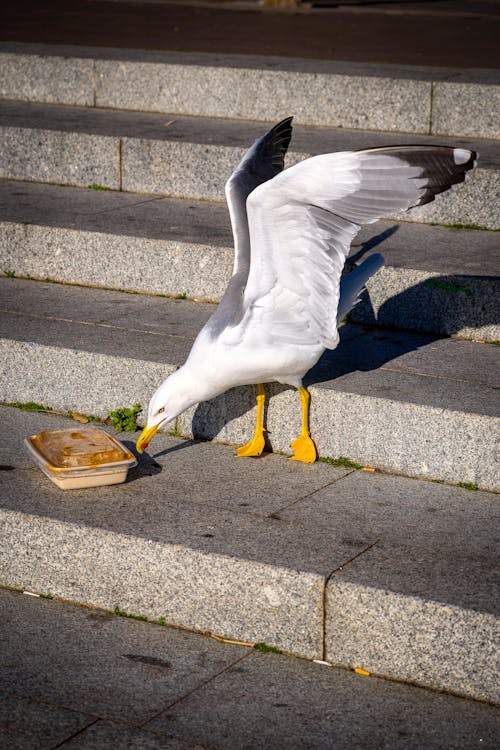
261,162
302,223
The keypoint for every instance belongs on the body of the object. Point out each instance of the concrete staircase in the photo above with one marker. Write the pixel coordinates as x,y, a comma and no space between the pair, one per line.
113,165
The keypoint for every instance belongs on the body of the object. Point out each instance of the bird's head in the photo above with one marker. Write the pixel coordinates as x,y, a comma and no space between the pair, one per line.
169,400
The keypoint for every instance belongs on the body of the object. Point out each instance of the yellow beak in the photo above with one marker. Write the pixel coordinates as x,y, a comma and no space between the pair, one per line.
145,438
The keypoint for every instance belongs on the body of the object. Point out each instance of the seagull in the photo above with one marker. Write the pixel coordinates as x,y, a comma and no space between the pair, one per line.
292,233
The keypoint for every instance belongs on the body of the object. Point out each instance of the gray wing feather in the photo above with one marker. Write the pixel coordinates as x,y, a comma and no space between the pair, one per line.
303,221
261,162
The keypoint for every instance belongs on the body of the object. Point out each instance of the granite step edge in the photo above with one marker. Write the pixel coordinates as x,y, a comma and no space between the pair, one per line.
404,436
130,247
62,551
149,166
424,101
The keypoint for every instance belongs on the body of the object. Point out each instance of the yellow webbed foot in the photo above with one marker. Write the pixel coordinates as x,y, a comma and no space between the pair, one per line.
254,447
304,450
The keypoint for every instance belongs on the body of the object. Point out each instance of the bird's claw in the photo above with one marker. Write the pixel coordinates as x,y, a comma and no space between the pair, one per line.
304,450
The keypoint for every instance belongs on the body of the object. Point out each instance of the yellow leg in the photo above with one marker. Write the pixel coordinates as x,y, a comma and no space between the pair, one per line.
303,447
255,446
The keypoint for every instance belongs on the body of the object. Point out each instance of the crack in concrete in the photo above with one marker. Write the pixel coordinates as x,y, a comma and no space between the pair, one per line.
325,588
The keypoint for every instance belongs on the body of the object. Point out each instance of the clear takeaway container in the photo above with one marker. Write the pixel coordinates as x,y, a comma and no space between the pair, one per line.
80,457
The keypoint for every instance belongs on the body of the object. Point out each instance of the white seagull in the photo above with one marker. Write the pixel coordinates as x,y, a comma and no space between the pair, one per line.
292,232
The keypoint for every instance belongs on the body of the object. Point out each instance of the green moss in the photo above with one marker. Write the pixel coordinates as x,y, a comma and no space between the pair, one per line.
125,420
121,613
465,485
340,461
182,295
28,406
265,649
468,486
95,186
478,227
448,287
10,274
175,431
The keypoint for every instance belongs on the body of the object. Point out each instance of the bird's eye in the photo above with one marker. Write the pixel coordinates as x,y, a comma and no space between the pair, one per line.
161,410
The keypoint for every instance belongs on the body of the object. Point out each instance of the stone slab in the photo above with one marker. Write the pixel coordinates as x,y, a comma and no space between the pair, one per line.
376,97
259,488
404,436
462,643
37,76
293,64
406,403
61,158
392,508
193,157
379,505
173,556
451,99
203,555
159,167
85,660
446,304
232,134
374,103
436,279
70,372
230,596
113,734
26,724
452,302
243,550
128,215
300,705
161,330
294,703
161,267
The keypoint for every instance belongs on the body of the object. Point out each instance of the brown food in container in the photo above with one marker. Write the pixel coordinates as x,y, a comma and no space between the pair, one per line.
80,457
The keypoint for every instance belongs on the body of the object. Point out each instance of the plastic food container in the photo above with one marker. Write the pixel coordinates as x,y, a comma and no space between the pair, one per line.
80,457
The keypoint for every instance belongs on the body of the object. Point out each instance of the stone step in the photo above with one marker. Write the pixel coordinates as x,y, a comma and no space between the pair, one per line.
437,279
407,403
364,570
438,101
193,157
150,686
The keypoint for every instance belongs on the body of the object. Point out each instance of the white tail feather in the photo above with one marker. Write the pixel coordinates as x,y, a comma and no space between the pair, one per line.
352,284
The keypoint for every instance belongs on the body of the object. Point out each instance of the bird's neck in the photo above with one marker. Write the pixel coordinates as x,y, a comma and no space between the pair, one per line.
193,382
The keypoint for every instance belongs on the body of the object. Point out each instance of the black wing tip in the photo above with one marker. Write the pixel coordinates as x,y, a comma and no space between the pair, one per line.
283,129
443,166
281,135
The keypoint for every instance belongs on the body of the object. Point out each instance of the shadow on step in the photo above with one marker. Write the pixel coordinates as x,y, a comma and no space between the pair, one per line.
147,466
451,305
447,303
439,306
